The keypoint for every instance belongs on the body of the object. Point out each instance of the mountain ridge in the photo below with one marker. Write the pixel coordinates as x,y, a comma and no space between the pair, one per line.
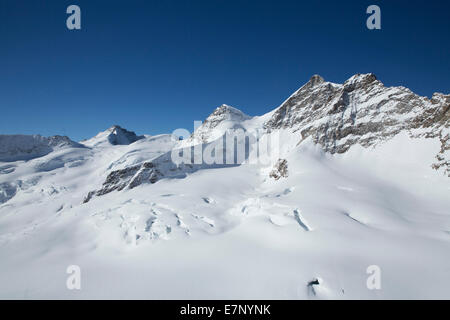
335,116
352,183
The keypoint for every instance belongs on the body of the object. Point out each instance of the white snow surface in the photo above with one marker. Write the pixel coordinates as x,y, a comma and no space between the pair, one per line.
228,232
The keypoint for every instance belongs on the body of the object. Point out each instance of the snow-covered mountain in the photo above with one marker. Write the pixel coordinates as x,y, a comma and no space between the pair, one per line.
362,111
23,147
360,177
223,118
115,135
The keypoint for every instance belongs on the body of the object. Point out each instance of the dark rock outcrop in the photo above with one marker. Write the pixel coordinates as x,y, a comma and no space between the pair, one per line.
280,170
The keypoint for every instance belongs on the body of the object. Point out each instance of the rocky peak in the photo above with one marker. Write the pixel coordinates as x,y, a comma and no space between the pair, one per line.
316,80
121,136
226,112
360,111
440,98
115,135
307,100
26,147
223,118
62,141
359,81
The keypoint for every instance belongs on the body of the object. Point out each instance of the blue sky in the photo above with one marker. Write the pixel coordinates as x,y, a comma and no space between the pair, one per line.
154,66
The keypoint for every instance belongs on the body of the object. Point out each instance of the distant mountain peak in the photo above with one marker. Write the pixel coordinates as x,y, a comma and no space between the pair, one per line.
225,109
315,80
217,123
26,147
360,80
115,126
359,77
114,135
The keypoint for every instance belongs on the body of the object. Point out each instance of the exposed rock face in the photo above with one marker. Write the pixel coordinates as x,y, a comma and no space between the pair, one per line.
363,111
442,157
120,136
129,177
115,135
151,172
280,170
62,141
147,172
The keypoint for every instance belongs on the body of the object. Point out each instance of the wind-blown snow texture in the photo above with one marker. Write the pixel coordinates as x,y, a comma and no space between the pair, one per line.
361,178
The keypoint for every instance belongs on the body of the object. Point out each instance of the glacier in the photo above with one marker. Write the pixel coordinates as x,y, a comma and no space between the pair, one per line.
361,178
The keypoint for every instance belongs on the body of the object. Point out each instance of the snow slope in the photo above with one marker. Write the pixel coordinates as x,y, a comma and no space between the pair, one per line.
235,231
22,147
